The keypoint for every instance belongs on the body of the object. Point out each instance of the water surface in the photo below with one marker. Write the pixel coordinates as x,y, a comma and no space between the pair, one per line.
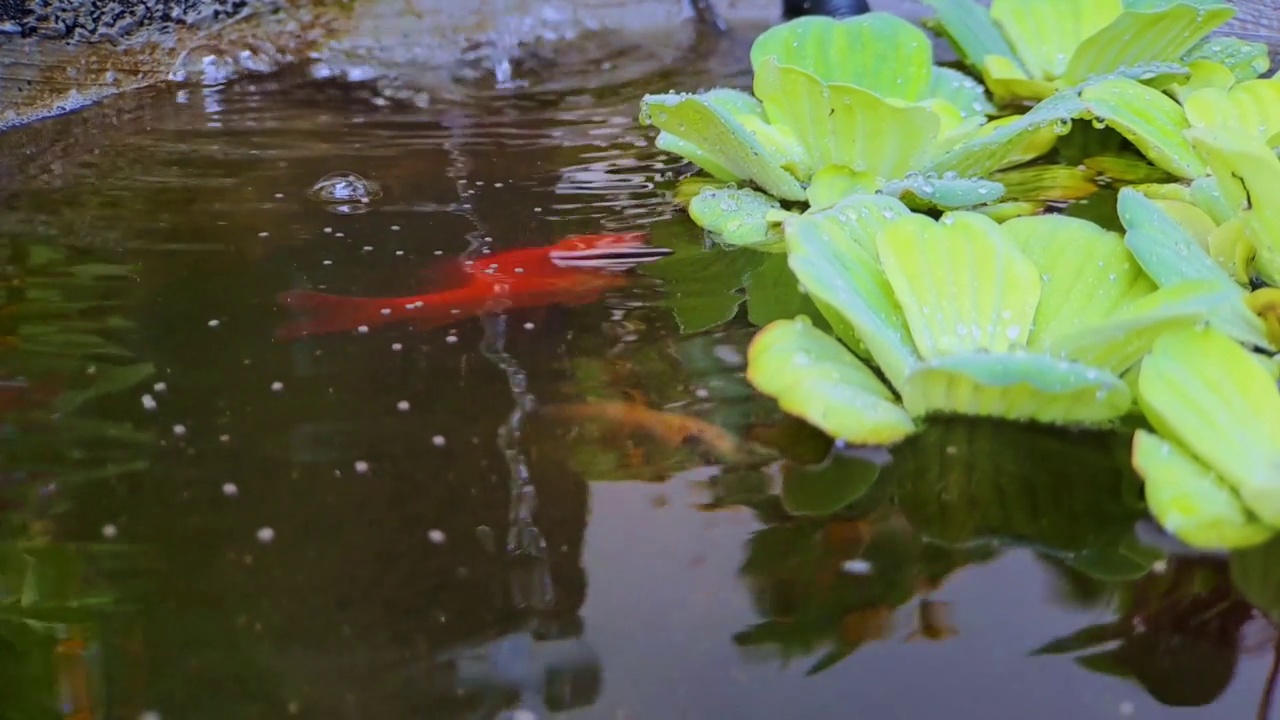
384,524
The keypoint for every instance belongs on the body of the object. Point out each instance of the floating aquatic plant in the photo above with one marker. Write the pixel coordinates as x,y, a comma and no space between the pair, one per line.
1210,466
1030,49
831,117
1035,319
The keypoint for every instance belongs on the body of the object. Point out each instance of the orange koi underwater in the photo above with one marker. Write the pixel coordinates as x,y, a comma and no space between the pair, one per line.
576,270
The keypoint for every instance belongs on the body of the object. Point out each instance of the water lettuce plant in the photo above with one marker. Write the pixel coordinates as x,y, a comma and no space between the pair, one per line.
1210,466
840,108
1034,319
1030,49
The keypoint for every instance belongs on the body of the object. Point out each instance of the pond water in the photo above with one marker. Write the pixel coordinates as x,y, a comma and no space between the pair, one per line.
204,520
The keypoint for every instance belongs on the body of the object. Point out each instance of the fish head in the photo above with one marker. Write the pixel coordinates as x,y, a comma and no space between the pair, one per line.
616,251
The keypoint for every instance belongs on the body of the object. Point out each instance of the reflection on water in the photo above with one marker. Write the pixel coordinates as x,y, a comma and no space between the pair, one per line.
201,520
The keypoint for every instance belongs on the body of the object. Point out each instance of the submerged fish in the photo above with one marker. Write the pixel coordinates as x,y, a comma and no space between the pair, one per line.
576,270
671,428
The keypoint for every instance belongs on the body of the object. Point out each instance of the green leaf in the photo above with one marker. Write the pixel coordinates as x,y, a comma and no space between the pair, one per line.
737,216
1046,33
1248,174
962,284
943,192
1170,256
1149,119
825,489
879,52
834,183
966,94
1246,60
108,379
773,293
1157,34
815,378
851,290
1248,108
721,135
846,125
1087,274
1190,500
971,31
1201,390
1256,574
1116,343
981,155
1019,386
1047,182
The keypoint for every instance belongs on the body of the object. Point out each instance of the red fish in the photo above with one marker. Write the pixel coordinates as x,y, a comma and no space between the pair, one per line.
575,270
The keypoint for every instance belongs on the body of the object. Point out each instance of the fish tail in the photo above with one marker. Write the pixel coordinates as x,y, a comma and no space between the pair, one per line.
324,313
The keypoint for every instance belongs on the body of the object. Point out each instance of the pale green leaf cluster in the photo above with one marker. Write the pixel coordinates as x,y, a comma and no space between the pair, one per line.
1030,49
855,106
1034,319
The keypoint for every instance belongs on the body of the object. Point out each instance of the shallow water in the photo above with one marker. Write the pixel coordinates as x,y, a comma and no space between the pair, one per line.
322,528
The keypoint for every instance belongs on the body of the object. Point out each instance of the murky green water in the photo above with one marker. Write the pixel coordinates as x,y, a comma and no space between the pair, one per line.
358,525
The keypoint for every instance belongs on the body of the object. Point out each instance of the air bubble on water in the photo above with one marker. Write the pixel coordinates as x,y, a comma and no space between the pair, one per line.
403,406
528,326
1012,332
204,64
395,227
438,441
109,531
179,430
344,187
266,535
148,402
214,323
277,386
397,347
385,311
451,338
160,387
362,467
230,489
436,536
362,329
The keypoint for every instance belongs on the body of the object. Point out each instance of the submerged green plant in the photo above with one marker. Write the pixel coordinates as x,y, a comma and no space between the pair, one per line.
1030,49
1035,319
1210,466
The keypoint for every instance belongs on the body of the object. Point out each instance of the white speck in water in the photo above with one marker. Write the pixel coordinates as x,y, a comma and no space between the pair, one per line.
264,234
362,467
149,715
528,326
436,536
856,566
395,227
339,234
702,393
438,441
230,489
160,387
523,714
397,347
328,230
148,402
451,338
327,262
385,311
399,252
367,248
214,323
266,534
179,430
403,406
1126,708
109,531
362,329
224,438
278,195
277,386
